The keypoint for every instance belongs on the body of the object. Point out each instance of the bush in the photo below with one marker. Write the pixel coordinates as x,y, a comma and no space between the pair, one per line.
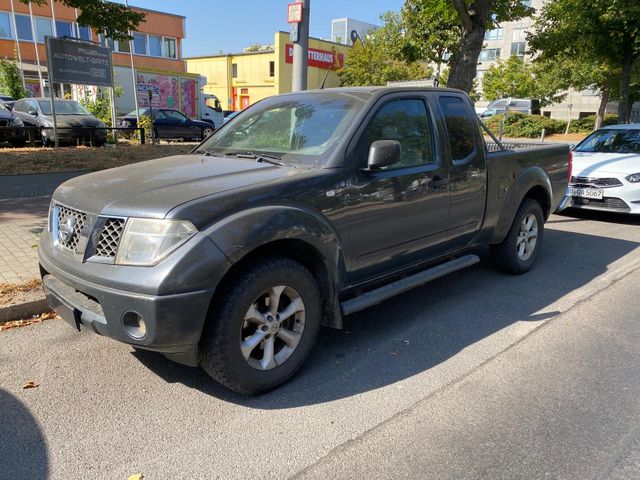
586,124
519,125
147,124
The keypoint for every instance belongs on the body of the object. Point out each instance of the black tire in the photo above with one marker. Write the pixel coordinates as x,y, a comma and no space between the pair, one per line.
505,255
220,346
18,143
207,132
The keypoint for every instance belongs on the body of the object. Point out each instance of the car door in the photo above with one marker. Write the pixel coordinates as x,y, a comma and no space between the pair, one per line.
467,174
180,125
162,124
397,215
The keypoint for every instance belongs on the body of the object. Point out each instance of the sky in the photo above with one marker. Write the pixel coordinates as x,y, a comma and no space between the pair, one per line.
229,26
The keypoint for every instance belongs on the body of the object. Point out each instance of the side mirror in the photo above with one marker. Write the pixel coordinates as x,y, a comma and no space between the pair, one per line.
384,153
33,112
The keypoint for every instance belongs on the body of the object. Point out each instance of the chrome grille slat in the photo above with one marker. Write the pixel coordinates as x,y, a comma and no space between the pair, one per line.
594,182
110,238
80,218
606,202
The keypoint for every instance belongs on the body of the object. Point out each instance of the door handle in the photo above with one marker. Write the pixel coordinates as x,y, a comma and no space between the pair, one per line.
437,182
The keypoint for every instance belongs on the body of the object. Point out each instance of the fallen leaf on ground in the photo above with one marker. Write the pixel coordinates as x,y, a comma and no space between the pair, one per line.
30,384
29,321
137,476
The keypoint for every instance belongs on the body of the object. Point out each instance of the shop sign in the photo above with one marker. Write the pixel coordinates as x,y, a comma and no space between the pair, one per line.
319,58
80,63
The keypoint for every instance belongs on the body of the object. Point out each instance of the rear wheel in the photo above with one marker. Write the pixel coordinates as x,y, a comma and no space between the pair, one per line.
207,132
262,327
518,251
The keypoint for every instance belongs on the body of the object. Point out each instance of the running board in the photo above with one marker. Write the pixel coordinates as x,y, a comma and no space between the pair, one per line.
381,294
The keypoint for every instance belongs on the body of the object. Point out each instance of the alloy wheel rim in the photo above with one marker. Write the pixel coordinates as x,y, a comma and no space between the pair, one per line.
527,237
272,327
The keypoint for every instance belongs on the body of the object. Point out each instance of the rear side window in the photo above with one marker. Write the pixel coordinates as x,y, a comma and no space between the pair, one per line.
459,127
405,121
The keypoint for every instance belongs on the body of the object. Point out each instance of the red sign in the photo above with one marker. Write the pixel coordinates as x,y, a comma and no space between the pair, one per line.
294,13
319,58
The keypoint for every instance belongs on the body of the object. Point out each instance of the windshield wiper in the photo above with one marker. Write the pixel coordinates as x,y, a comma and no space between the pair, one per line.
200,151
261,157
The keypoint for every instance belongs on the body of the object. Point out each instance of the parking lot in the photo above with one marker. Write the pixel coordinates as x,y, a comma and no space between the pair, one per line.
478,375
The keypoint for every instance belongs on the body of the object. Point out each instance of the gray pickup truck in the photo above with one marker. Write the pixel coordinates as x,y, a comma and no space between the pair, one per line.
304,208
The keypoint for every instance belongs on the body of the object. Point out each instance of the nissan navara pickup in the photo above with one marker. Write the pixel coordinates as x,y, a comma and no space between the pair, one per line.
304,208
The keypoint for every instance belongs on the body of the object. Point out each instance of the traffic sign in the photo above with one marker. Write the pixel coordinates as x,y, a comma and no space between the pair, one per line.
295,13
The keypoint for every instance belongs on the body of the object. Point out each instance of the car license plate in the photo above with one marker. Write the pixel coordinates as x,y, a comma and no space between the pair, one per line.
593,193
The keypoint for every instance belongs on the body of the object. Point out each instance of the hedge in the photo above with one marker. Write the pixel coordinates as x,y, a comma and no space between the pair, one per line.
522,125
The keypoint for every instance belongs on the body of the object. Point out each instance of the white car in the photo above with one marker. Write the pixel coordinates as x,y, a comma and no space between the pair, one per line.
606,170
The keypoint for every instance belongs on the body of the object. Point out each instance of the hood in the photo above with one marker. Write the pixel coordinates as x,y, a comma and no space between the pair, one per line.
153,188
75,120
6,115
587,164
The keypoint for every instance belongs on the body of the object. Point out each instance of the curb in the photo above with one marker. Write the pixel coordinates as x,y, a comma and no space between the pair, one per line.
24,310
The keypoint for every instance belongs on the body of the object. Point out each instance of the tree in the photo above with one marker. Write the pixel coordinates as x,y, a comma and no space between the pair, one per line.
108,18
10,80
430,35
379,59
601,32
473,18
518,78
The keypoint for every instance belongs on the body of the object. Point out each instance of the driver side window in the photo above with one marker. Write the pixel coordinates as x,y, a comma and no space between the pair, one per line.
405,121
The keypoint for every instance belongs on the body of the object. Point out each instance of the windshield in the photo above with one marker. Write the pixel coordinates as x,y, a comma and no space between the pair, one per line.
298,129
141,111
611,141
63,107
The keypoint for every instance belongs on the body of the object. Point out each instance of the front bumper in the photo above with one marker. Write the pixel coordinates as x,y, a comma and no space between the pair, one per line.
8,134
172,298
619,199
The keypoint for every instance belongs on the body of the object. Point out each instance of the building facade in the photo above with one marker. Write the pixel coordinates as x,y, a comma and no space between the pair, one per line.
245,78
157,52
341,29
511,39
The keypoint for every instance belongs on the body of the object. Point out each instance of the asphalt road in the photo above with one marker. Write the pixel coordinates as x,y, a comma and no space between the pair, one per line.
478,375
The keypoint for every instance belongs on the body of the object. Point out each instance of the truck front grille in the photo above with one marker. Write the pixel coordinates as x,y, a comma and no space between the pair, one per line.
588,182
110,238
70,225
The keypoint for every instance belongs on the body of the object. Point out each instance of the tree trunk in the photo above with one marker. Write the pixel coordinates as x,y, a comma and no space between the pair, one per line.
624,109
602,109
465,62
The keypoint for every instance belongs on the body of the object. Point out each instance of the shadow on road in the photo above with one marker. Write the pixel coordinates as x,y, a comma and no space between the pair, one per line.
23,452
598,216
420,329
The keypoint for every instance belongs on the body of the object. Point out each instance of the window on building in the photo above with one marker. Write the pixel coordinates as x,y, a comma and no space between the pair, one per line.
64,29
123,46
170,48
489,54
495,34
5,25
155,46
518,48
407,122
459,127
272,69
139,44
519,34
234,70
84,33
43,28
23,25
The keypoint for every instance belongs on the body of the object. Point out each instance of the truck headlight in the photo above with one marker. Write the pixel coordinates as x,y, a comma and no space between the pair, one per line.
146,241
633,178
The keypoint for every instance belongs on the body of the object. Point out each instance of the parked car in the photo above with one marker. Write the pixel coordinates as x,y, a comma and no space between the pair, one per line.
607,170
503,105
11,128
75,123
6,98
308,207
171,124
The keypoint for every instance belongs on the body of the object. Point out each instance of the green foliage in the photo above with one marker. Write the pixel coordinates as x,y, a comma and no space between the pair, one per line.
380,58
587,124
520,79
101,106
147,124
522,125
109,18
10,80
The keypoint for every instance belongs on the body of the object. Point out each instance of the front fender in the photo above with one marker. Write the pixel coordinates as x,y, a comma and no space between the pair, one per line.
530,178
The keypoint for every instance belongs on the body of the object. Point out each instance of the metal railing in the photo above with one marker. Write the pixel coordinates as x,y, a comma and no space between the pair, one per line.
74,135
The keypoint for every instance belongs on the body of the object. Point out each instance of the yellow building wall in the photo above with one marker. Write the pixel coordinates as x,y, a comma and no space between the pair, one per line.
253,72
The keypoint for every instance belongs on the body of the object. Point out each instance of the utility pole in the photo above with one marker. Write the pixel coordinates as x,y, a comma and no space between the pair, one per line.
301,47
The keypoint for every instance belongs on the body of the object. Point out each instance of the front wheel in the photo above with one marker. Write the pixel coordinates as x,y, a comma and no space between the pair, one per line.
263,325
207,132
518,251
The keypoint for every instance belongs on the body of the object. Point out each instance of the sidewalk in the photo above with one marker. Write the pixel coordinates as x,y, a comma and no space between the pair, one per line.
21,222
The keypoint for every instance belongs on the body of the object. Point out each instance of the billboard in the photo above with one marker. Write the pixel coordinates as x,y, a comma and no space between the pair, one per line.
80,63
164,89
318,58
